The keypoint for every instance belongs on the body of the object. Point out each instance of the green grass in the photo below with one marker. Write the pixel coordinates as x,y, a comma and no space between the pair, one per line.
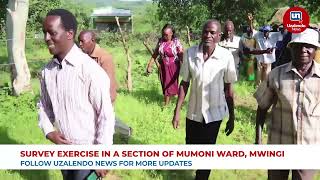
142,110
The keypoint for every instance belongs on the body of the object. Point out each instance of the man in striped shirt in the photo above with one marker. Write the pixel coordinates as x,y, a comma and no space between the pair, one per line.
74,106
293,91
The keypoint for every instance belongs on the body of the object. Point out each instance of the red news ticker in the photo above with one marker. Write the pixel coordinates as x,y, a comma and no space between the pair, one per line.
216,153
59,153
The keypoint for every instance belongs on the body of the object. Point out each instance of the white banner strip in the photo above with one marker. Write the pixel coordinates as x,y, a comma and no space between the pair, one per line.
160,157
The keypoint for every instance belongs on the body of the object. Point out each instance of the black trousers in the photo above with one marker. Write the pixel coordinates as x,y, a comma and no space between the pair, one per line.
201,133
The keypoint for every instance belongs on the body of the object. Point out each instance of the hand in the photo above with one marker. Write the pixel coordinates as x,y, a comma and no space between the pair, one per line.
269,50
57,138
250,16
101,172
230,126
176,121
246,50
149,69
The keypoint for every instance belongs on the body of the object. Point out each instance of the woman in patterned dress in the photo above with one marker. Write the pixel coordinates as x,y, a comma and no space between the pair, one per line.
170,51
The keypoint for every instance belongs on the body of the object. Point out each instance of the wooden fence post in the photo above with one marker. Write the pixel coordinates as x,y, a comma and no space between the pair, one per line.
126,48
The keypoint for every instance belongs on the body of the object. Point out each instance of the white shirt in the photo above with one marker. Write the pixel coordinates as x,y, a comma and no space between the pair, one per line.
207,99
263,44
233,47
76,99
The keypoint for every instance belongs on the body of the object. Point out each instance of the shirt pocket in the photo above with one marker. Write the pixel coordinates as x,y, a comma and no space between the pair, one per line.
312,96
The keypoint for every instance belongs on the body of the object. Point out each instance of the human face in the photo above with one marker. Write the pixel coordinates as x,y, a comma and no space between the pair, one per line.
56,37
167,34
229,30
210,34
302,53
86,42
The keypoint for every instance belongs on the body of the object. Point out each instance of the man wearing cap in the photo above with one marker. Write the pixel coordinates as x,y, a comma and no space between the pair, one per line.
293,91
265,50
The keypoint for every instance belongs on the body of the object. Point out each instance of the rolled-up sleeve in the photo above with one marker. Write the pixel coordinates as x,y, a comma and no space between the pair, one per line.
185,69
230,75
45,111
265,95
101,102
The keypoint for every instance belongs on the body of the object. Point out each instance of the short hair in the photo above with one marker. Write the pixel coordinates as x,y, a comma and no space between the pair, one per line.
91,32
68,20
228,22
213,21
169,26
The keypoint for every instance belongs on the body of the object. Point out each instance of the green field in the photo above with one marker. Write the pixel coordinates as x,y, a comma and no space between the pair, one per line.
142,110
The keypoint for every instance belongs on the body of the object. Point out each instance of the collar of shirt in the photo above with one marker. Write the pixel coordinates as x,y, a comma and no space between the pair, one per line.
214,55
71,57
314,71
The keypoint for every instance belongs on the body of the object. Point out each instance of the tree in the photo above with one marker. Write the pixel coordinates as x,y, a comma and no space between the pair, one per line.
81,11
17,14
181,13
195,12
38,10
312,6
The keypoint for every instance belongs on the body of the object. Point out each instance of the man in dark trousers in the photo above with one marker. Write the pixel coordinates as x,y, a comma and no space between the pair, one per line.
211,70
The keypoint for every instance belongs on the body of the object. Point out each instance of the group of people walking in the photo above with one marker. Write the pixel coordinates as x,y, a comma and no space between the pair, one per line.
78,85
210,68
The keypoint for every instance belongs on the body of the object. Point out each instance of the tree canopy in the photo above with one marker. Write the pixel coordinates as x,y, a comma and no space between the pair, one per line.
194,12
39,8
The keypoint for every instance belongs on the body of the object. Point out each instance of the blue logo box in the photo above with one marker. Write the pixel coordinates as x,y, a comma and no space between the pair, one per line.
295,15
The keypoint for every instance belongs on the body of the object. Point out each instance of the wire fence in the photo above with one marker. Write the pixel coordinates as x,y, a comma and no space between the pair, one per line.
34,66
5,40
6,66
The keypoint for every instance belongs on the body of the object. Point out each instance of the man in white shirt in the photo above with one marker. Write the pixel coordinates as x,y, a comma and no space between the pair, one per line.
231,42
265,50
211,71
73,92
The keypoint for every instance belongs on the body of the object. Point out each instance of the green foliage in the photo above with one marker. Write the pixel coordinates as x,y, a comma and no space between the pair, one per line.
195,12
81,11
3,12
313,8
182,13
10,103
37,11
151,23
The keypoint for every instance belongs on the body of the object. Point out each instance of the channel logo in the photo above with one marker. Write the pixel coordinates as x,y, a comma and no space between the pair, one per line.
296,19
295,16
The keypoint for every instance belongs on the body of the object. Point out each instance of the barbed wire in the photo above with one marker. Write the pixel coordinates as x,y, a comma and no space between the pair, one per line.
28,62
12,39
